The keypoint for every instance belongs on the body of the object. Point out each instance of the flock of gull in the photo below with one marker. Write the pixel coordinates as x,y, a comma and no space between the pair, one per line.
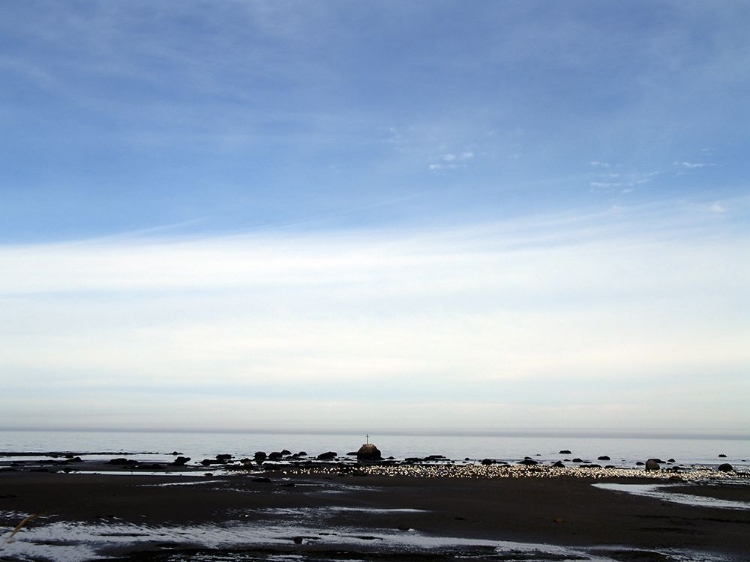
473,470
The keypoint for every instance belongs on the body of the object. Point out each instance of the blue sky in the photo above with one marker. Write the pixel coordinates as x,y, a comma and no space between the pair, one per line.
481,216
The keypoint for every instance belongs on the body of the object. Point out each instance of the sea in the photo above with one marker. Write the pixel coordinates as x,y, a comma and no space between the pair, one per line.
623,450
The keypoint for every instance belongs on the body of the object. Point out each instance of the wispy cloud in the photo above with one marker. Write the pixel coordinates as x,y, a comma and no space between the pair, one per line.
452,161
694,165
315,316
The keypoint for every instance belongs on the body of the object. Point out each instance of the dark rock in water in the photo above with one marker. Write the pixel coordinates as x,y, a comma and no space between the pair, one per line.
726,467
123,462
487,462
652,464
223,458
565,452
275,456
260,456
208,462
671,460
329,456
175,453
528,462
180,461
369,452
558,464
285,452
302,454
577,459
722,456
435,458
603,458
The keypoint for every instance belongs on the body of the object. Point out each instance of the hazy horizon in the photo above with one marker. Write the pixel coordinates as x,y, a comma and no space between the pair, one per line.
440,216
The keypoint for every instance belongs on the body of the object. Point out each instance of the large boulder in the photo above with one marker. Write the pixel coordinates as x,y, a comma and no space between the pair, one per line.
652,464
726,467
369,452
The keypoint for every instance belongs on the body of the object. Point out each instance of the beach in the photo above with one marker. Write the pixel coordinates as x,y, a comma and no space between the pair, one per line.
351,511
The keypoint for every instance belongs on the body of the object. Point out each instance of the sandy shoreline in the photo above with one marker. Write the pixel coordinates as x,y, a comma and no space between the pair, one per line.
366,512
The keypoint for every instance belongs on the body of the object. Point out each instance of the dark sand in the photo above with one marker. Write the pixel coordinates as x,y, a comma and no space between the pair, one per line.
566,511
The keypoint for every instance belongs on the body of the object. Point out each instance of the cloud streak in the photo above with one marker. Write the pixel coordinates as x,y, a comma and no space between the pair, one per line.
411,318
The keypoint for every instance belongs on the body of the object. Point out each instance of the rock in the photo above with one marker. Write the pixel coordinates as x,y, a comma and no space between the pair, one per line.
275,456
671,460
528,462
260,456
565,452
640,463
577,459
369,452
558,464
722,456
123,462
726,467
181,461
603,458
223,458
329,456
487,462
285,453
652,464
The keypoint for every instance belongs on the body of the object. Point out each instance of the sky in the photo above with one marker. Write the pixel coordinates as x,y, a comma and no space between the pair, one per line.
420,216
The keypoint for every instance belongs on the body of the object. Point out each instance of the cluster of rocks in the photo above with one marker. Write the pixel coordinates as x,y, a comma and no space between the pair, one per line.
369,455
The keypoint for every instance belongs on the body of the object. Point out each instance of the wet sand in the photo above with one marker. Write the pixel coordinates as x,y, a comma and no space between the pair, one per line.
302,513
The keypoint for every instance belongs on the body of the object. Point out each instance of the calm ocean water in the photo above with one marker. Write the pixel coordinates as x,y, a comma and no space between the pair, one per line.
156,445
